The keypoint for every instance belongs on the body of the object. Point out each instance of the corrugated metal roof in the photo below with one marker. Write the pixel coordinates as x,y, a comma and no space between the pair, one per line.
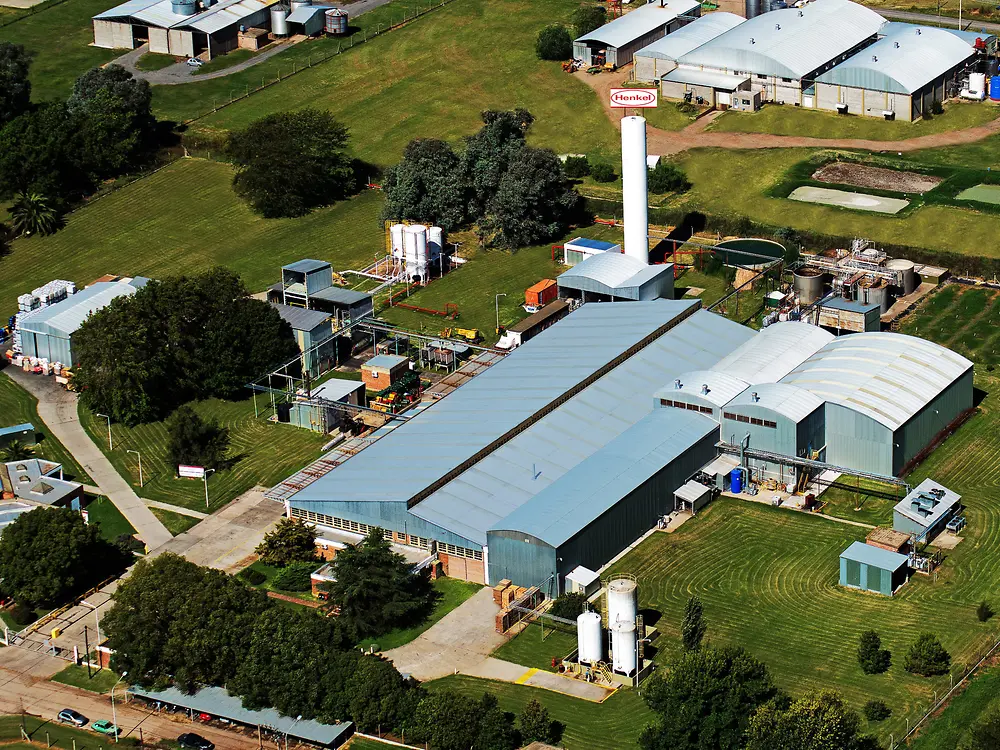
692,491
727,81
337,388
875,556
591,244
722,387
304,13
340,296
226,14
639,22
306,265
693,35
65,318
790,42
902,62
919,495
851,305
301,319
970,37
611,272
126,9
774,352
794,403
161,15
886,376
385,361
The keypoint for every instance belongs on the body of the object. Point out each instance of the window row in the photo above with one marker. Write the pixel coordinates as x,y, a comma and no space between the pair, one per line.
689,407
750,420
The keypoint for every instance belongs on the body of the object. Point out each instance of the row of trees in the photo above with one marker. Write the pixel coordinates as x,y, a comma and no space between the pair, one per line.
514,195
182,338
926,656
556,43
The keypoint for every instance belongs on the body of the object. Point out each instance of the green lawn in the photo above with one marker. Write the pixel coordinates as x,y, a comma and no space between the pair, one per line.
431,79
264,454
113,524
223,62
18,406
946,730
795,121
183,219
669,115
615,723
61,736
176,523
58,38
865,503
155,61
538,645
100,681
452,592
963,318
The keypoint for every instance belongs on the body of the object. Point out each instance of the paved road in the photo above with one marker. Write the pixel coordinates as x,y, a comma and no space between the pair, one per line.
58,410
173,75
969,24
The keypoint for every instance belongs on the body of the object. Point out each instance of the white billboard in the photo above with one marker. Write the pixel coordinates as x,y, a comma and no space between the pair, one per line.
191,472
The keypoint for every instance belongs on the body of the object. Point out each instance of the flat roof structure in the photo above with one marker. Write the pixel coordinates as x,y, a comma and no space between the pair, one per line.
875,556
16,429
593,244
639,22
336,389
64,318
307,265
849,305
927,503
583,576
691,36
385,361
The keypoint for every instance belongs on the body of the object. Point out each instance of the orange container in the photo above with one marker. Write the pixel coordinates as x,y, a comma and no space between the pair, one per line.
541,294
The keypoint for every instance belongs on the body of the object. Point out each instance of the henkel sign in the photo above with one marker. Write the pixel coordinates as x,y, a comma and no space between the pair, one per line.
191,472
622,98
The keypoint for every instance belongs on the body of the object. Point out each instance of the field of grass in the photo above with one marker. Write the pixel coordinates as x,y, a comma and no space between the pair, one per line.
113,524
184,219
431,79
616,722
947,729
59,39
101,681
864,501
795,121
669,116
963,318
222,62
536,649
155,61
60,735
176,523
18,406
263,453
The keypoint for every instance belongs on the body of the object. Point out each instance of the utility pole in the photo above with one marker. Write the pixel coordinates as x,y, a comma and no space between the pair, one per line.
129,450
205,477
111,442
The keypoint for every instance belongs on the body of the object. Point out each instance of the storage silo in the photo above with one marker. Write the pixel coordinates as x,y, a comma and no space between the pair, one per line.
590,646
623,603
808,284
415,248
336,21
183,7
396,240
906,273
279,21
435,242
296,4
623,647
875,293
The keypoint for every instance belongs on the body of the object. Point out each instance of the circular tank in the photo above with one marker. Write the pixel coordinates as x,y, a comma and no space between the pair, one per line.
336,21
396,239
588,638
622,601
808,284
876,294
296,4
183,7
279,21
415,250
435,242
623,647
906,272
770,250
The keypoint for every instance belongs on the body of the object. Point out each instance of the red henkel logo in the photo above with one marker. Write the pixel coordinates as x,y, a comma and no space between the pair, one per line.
623,98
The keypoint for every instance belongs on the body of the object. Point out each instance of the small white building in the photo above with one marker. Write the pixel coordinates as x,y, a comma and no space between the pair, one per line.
616,41
581,248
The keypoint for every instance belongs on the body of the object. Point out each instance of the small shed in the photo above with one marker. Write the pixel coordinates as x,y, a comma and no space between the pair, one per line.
313,332
869,568
692,496
925,512
582,248
383,370
309,18
23,433
851,315
611,277
582,580
313,415
618,40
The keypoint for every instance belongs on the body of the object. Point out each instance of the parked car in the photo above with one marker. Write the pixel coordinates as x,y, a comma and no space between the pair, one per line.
195,742
194,62
69,716
103,726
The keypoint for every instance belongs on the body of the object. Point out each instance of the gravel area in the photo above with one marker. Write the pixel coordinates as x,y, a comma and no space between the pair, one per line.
877,178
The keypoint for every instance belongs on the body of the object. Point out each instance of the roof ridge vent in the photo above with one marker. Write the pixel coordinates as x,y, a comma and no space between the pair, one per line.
677,384
874,58
704,389
754,397
800,14
752,41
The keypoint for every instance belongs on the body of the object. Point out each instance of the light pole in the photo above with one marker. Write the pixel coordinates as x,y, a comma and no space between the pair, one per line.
111,442
114,714
129,450
496,300
207,472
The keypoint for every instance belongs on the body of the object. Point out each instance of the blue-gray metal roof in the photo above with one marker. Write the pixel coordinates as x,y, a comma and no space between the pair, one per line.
970,36
337,388
850,305
559,512
775,351
306,265
592,244
304,13
613,274
721,387
693,35
301,319
875,556
791,42
217,701
639,22
922,506
64,318
713,78
903,61
385,361
16,428
160,14
794,403
340,296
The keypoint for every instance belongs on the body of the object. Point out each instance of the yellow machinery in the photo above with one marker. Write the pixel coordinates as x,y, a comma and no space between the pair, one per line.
469,334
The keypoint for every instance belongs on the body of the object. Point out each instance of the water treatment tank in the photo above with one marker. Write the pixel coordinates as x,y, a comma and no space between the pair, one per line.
336,21
623,647
184,7
415,251
995,89
736,481
623,605
906,273
279,21
876,294
808,284
590,645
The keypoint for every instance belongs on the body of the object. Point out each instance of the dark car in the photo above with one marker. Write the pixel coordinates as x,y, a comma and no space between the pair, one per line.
69,716
195,742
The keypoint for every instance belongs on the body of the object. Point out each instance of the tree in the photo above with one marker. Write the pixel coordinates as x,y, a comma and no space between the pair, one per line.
375,588
192,441
426,186
536,725
490,152
32,213
586,18
15,87
569,606
871,656
667,177
603,172
294,577
290,541
927,657
876,710
576,166
693,625
378,696
15,450
291,162
820,721
984,734
984,611
41,152
49,554
446,720
554,43
705,700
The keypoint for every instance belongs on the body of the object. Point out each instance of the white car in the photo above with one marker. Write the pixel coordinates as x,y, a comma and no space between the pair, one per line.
194,62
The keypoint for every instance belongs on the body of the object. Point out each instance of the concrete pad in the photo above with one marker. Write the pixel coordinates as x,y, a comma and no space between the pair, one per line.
981,193
587,691
694,291
946,540
845,199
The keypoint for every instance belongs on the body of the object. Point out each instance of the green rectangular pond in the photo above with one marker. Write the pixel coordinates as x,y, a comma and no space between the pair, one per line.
981,193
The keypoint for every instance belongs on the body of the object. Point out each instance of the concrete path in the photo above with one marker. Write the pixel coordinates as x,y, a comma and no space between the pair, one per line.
58,409
175,509
505,671
181,72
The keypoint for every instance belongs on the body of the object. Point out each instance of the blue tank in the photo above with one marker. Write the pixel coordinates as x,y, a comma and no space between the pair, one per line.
995,89
736,481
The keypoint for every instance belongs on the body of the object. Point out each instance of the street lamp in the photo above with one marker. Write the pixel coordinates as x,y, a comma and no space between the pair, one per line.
496,300
114,714
129,450
205,477
111,443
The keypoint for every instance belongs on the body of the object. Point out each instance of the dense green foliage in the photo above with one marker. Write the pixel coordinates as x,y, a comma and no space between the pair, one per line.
876,710
927,656
554,43
820,721
32,213
693,626
586,18
984,734
447,720
569,606
427,185
984,611
49,554
535,724
252,576
667,177
576,166
603,172
288,542
15,450
15,88
289,163
871,656
176,340
192,441
294,577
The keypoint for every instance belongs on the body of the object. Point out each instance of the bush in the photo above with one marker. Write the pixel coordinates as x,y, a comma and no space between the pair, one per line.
876,710
568,606
667,178
554,43
294,578
576,166
21,614
252,576
984,611
603,172
937,108
927,657
586,18
871,656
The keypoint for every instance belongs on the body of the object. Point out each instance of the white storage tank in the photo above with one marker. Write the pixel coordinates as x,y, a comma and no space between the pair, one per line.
623,647
279,21
435,242
415,250
396,240
906,272
588,638
296,4
623,605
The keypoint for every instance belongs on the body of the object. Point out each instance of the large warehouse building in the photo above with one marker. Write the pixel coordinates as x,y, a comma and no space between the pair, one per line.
570,448
617,41
660,57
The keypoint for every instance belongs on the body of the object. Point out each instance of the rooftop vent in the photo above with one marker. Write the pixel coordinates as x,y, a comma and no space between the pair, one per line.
800,14
918,32
874,58
754,397
896,45
777,27
677,384
752,41
704,389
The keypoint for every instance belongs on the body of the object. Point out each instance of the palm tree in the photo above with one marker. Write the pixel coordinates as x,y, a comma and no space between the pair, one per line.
16,451
31,213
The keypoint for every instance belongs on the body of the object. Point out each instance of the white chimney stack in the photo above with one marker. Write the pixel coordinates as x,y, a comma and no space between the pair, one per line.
634,192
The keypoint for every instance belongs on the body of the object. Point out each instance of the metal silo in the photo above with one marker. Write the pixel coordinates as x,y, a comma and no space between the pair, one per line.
624,645
415,249
336,22
396,240
183,7
296,4
435,242
808,284
876,293
279,21
906,273
590,647
623,603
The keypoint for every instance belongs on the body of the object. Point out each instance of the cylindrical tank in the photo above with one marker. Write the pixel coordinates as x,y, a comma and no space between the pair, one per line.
336,21
279,21
184,7
754,7
435,242
876,294
736,481
977,83
634,188
623,647
995,88
415,246
808,284
296,4
906,273
993,67
588,638
396,239
623,605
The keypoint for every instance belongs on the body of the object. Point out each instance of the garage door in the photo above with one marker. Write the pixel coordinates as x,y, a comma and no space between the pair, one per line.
723,98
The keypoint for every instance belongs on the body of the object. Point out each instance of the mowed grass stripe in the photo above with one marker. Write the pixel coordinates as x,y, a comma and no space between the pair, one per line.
963,318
